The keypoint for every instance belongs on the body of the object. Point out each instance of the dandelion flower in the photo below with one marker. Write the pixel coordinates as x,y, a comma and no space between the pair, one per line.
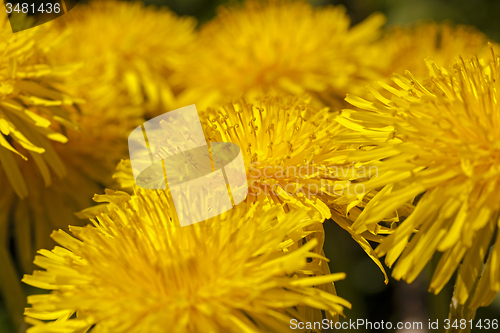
32,106
287,148
33,115
280,46
129,49
137,270
289,151
442,149
407,47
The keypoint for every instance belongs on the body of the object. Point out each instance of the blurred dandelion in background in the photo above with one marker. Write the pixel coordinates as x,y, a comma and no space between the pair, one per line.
279,46
407,47
130,49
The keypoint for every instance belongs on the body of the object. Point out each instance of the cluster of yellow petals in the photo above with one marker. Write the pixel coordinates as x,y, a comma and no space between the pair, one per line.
270,76
34,110
130,69
61,133
405,48
137,270
291,155
436,145
280,46
32,105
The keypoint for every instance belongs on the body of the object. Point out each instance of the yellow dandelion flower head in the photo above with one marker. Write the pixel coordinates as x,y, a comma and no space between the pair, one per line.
443,148
285,46
406,47
32,105
288,148
137,270
65,153
34,116
286,144
89,159
129,48
35,112
290,151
